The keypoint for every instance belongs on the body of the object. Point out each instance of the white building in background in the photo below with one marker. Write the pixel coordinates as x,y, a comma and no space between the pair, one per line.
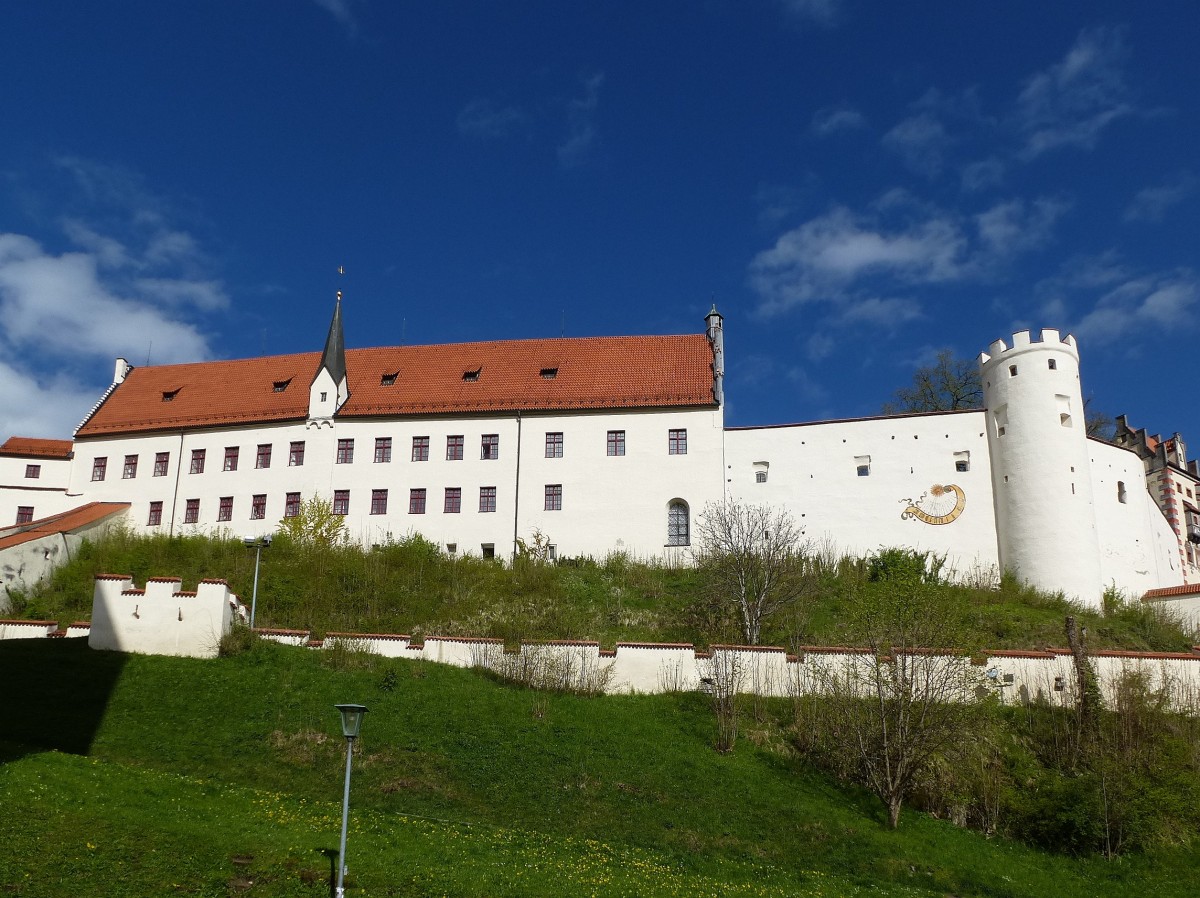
610,444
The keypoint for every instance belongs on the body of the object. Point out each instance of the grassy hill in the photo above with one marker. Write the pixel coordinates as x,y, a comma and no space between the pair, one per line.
135,775
410,587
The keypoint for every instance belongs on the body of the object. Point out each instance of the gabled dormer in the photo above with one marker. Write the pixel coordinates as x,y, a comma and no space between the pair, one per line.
330,389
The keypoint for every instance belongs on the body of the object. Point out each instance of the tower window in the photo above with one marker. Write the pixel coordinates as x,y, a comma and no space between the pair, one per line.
962,462
1012,370
862,465
1052,364
1121,491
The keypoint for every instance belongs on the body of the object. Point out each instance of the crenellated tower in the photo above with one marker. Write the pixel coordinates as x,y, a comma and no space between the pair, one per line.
1041,468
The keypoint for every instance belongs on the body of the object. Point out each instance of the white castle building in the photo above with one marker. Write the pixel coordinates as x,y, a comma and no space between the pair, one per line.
616,444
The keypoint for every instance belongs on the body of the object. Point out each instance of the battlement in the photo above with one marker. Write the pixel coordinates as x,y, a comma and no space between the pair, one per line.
1022,341
162,618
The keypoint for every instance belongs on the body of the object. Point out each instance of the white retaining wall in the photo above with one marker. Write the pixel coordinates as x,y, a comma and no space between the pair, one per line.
161,619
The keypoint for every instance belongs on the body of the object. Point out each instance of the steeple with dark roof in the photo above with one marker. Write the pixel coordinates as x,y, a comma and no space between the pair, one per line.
329,389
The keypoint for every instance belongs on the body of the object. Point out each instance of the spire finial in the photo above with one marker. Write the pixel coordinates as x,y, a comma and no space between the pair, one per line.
341,272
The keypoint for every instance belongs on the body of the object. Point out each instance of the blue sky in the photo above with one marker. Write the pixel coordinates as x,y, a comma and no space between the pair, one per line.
856,185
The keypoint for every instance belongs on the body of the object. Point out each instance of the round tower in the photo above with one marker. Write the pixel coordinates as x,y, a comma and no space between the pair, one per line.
1041,468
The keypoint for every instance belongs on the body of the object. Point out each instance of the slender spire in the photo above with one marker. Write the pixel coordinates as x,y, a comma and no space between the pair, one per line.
333,359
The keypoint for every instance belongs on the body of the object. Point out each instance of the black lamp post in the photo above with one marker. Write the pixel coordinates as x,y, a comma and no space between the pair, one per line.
352,716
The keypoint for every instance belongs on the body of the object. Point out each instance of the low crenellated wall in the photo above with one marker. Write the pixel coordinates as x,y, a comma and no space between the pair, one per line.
164,619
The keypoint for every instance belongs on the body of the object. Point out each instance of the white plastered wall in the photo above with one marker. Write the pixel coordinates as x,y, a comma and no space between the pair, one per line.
813,471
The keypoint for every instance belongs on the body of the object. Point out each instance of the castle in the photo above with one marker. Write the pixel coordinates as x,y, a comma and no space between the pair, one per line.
617,444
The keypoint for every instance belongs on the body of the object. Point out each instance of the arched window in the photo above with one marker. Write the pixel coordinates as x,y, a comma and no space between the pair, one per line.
678,524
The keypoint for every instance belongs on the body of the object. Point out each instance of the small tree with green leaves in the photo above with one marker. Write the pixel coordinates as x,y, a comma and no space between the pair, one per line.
316,526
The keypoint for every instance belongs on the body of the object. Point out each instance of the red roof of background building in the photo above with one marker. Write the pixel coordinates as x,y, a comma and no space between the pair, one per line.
64,522
590,373
33,447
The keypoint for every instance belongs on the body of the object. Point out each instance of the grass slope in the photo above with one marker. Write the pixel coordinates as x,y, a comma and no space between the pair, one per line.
135,775
410,587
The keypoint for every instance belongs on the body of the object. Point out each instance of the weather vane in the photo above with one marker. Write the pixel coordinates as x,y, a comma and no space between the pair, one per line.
341,271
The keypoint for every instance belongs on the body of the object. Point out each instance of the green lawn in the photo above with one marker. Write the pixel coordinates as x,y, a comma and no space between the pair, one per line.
134,775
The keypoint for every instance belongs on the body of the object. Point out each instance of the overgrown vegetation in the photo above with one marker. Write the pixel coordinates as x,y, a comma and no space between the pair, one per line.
409,586
224,777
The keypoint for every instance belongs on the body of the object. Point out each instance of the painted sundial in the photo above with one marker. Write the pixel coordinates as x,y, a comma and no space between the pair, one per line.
940,504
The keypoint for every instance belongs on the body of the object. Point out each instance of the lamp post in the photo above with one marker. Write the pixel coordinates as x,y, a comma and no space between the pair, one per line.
352,716
262,542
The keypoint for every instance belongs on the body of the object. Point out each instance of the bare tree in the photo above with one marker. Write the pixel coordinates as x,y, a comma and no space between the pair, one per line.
754,561
907,701
949,383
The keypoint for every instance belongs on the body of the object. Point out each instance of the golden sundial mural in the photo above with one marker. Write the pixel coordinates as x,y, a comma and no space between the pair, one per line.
942,504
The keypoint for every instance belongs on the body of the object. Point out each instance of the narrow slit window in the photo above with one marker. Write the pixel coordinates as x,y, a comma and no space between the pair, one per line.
1012,370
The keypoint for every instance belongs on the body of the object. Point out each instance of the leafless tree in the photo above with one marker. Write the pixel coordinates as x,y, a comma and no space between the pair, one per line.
754,560
949,383
895,709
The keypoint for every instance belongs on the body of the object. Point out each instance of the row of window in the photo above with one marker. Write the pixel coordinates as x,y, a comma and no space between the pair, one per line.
452,504
489,449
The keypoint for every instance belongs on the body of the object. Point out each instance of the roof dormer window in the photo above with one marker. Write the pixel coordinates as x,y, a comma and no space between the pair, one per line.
280,385
388,380
169,395
473,374
549,373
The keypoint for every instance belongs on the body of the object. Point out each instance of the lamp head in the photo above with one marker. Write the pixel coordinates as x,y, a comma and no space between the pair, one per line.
352,716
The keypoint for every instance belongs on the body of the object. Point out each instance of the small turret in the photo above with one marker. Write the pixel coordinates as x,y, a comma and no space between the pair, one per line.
715,330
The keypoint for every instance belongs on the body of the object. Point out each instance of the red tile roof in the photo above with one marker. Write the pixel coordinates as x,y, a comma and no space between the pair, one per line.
36,448
59,523
590,373
1169,591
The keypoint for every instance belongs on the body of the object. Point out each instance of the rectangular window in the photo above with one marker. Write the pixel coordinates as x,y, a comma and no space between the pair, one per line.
231,458
263,458
191,512
416,501
490,446
341,501
554,445
296,454
291,505
962,461
129,471
677,442
383,450
553,497
453,500
258,506
616,442
487,498
862,464
24,514
225,508
162,461
454,447
33,472
99,467
197,466
760,476
378,501
345,452
155,517
420,449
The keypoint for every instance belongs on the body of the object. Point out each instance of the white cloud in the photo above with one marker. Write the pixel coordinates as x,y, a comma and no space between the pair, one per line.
833,119
1128,304
342,12
32,407
1073,101
1018,226
823,257
57,307
581,124
1152,203
126,281
983,174
482,118
879,312
823,12
921,141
